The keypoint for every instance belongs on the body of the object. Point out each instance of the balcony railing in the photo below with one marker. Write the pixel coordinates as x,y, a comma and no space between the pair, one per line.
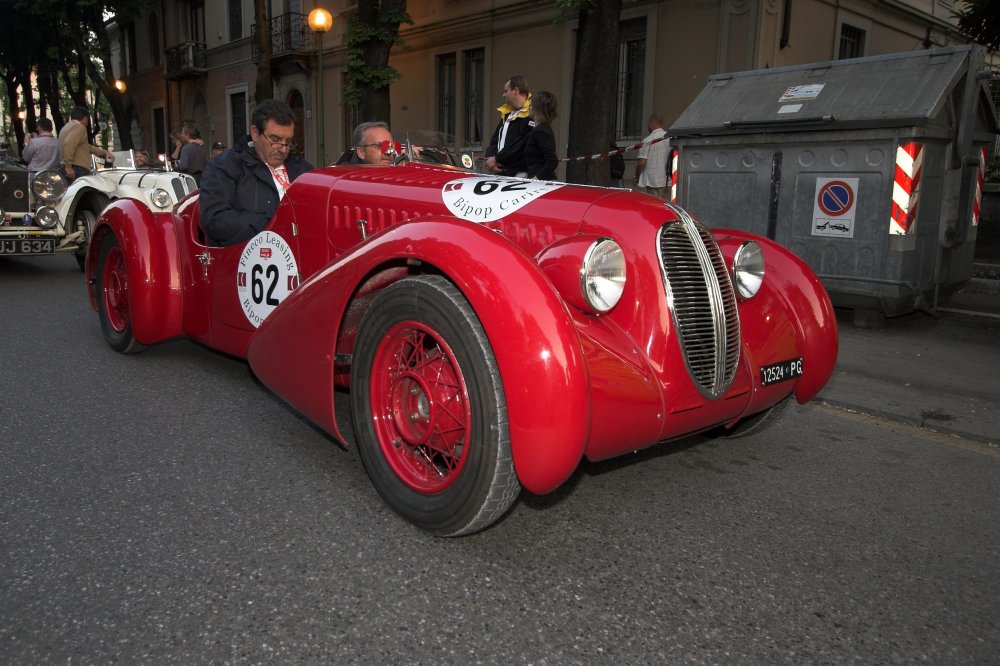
290,36
186,60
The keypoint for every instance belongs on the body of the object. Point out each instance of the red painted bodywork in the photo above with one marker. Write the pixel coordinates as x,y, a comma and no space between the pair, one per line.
576,383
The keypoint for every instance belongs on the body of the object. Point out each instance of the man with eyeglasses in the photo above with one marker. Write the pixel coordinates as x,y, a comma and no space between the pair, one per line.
373,144
241,188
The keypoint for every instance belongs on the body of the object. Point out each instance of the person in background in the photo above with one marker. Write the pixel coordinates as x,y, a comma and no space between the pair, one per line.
218,148
373,144
241,189
616,163
28,136
540,159
192,155
505,154
178,143
651,167
74,145
43,151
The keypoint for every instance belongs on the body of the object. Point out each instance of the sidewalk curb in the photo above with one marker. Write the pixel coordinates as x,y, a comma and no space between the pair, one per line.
922,424
982,285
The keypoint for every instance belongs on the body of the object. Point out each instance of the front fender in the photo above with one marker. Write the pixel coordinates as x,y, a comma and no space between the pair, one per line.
792,303
149,243
535,343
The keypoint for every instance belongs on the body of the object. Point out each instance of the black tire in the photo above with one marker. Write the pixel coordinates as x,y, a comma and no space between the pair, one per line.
113,301
85,218
429,409
756,423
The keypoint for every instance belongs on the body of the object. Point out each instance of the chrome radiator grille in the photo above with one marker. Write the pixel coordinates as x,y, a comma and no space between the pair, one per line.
702,302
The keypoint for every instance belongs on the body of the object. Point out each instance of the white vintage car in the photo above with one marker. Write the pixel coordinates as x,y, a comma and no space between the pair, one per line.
59,215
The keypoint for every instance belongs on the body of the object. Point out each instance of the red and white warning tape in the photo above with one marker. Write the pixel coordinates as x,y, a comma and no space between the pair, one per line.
619,151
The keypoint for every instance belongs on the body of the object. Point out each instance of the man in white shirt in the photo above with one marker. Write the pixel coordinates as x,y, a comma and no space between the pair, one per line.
43,151
651,169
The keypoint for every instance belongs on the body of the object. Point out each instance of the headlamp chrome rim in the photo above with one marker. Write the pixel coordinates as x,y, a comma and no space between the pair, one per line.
47,217
160,198
748,269
602,274
49,185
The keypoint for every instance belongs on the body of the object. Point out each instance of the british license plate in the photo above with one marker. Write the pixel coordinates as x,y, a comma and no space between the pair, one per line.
27,245
781,372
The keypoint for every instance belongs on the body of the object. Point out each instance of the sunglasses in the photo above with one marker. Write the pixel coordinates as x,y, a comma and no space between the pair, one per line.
386,147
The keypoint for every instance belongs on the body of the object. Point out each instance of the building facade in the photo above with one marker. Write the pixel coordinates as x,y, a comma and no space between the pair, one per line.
191,61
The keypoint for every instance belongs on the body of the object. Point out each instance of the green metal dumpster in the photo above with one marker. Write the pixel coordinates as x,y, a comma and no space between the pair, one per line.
870,169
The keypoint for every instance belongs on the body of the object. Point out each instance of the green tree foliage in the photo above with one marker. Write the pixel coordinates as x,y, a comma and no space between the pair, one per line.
980,21
65,44
371,33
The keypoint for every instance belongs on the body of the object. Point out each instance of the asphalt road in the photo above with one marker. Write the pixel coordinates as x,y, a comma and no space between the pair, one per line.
165,508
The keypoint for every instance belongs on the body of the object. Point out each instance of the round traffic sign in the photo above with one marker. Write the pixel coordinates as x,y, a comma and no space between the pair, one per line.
835,198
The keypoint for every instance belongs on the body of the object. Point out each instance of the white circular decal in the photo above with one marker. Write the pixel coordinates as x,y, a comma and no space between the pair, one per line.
490,198
267,274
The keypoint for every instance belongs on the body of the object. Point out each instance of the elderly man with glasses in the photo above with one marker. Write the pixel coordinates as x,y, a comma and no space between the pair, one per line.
373,144
241,189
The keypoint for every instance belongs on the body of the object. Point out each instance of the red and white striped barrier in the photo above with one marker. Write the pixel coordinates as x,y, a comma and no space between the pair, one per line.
978,201
906,187
674,159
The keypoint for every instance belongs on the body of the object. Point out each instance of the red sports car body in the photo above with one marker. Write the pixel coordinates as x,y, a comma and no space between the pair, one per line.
491,331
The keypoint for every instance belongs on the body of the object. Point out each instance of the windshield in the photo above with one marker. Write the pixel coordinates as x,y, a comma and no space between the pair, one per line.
432,147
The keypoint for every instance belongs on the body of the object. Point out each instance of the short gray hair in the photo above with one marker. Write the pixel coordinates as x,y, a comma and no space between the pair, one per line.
359,131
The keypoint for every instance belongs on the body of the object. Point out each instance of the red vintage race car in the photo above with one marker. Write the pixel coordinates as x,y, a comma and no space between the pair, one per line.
492,332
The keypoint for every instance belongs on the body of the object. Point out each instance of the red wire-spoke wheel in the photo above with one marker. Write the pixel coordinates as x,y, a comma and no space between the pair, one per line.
421,409
429,410
113,304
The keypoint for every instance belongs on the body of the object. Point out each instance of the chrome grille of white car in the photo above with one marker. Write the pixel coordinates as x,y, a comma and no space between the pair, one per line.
702,302
182,185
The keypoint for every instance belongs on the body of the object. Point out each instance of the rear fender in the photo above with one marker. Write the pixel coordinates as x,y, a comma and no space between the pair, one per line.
533,338
149,243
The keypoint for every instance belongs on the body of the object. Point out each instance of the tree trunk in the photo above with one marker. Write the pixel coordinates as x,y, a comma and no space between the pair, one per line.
11,85
369,74
265,86
592,113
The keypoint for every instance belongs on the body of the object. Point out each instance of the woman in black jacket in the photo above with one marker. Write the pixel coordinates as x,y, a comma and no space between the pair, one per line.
540,151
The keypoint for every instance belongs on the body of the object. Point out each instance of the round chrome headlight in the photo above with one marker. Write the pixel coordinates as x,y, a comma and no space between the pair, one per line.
748,269
160,198
47,217
49,185
602,276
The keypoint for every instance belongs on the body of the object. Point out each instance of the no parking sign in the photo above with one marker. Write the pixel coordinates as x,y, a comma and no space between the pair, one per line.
834,207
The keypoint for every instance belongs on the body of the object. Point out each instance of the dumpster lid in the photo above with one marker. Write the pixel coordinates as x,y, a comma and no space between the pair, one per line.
892,90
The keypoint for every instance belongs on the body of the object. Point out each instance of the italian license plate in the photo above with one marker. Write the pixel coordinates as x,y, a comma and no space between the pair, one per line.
781,372
27,245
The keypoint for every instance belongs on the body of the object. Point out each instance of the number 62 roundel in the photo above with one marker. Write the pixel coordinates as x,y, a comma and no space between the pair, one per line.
267,274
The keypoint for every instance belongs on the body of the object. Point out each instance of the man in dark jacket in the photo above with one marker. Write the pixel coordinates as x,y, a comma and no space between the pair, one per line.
241,188
505,154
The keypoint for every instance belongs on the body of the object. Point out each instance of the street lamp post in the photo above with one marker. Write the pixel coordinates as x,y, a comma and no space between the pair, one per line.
320,21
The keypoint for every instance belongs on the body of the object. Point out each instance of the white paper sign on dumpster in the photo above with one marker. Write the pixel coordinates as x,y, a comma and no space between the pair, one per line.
834,207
